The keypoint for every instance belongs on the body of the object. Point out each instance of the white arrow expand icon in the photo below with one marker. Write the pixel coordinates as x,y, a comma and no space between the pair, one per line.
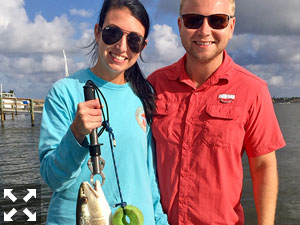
31,217
31,193
8,216
7,192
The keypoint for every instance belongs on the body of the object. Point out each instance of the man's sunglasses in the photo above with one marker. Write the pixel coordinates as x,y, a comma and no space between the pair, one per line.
215,21
112,34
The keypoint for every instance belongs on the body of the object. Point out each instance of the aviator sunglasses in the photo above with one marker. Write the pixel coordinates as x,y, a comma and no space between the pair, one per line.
215,21
112,34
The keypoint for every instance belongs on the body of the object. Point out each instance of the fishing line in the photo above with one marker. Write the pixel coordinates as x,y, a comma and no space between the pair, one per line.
106,126
103,114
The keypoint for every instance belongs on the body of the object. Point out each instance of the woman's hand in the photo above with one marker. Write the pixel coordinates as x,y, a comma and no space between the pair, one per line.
88,117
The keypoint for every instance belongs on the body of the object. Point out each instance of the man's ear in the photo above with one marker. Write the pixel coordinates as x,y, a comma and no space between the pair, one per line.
232,26
179,23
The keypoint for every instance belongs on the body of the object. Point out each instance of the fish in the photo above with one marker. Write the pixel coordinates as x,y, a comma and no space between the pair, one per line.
92,207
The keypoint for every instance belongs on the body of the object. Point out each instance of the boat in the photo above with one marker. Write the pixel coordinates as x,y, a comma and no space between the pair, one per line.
9,101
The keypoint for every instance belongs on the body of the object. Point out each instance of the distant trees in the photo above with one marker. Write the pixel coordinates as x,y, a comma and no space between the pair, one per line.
10,92
286,100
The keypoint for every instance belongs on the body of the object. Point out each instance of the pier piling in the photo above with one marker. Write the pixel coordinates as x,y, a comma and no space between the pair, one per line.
32,112
15,106
2,113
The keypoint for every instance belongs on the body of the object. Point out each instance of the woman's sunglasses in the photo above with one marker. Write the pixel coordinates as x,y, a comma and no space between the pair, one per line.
112,34
215,21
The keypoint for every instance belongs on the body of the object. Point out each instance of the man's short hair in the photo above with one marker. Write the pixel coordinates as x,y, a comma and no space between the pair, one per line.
232,2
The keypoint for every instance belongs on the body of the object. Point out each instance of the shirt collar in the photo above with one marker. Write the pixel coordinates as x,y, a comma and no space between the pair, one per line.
223,72
179,67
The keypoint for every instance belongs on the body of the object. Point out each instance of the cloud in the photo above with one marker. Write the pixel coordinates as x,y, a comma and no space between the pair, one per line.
274,58
40,36
164,47
282,79
34,75
81,12
265,49
276,81
31,51
273,17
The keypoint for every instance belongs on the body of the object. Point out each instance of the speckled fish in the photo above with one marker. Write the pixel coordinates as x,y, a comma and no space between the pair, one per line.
92,207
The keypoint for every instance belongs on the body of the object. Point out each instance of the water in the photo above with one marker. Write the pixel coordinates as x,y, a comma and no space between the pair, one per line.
20,166
288,204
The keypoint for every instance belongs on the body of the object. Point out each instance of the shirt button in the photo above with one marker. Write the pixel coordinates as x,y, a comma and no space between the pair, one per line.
196,93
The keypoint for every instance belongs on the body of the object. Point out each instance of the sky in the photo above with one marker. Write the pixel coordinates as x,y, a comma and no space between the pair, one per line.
33,34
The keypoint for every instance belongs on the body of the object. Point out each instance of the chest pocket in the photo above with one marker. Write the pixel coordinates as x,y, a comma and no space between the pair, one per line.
165,108
164,121
221,125
221,112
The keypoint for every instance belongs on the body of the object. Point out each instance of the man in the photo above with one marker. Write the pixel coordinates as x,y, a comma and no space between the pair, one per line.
209,111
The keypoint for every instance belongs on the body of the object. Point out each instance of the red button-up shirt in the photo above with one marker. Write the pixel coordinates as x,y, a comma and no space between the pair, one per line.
201,134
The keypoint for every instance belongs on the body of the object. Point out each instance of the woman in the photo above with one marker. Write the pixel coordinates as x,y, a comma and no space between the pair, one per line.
67,120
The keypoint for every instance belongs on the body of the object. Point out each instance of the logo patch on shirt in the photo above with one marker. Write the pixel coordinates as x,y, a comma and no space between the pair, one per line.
141,117
226,98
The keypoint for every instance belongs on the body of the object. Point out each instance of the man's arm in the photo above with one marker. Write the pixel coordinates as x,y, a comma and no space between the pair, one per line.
265,186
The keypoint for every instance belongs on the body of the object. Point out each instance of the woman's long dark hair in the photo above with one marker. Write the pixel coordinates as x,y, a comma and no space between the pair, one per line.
140,86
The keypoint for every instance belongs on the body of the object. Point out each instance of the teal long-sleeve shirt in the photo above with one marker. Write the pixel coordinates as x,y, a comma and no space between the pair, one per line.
63,161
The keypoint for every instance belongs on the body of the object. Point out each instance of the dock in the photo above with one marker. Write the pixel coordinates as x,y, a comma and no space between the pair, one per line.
13,106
